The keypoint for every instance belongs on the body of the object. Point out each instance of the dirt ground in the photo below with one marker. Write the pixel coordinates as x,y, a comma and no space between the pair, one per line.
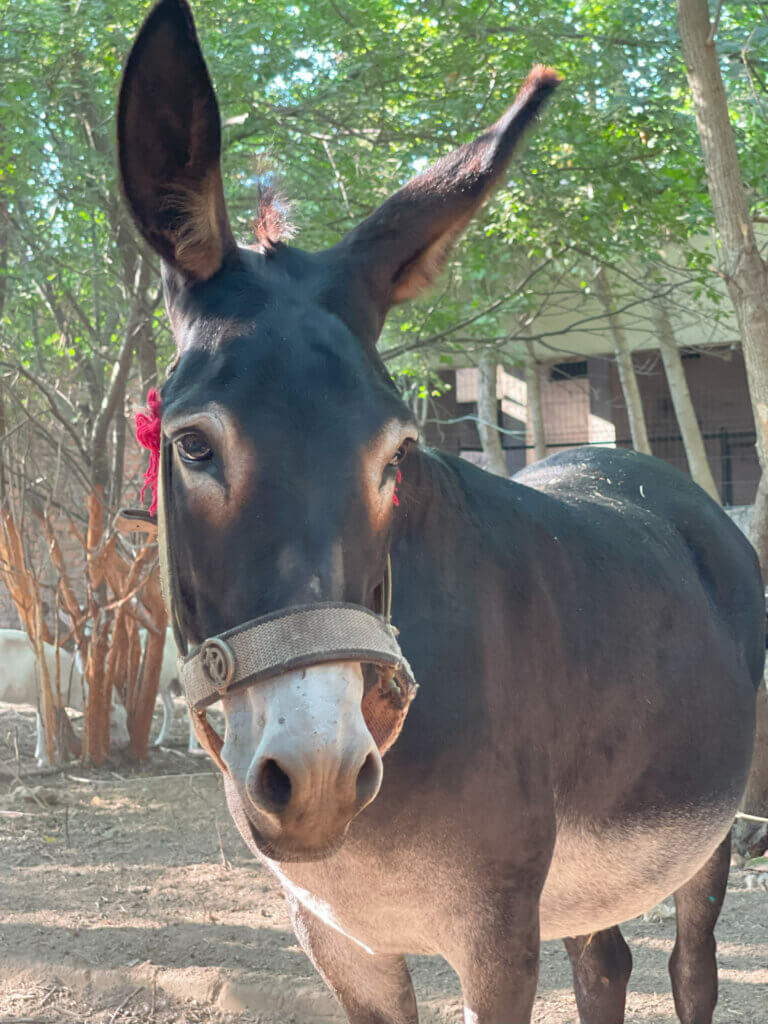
127,896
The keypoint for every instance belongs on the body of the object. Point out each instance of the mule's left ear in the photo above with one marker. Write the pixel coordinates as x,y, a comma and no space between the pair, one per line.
401,247
169,143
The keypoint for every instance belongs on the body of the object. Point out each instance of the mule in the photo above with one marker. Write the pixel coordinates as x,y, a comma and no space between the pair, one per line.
588,638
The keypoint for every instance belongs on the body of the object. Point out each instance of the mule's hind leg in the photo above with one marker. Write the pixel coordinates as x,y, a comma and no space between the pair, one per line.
693,966
372,989
601,965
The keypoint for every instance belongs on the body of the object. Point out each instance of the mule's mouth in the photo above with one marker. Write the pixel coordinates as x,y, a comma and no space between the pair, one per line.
283,848
286,851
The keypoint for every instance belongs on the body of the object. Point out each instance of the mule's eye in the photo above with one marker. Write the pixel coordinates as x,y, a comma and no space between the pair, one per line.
193,447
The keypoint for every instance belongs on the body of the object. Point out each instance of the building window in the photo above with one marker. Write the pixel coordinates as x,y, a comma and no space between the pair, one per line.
568,371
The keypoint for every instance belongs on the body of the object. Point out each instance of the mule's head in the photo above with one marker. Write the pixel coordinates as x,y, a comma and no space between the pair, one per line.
287,433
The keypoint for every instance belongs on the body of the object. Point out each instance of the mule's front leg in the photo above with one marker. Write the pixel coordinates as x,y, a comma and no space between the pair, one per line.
372,989
499,969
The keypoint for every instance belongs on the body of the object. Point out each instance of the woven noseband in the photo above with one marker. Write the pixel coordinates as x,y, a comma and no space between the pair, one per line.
291,639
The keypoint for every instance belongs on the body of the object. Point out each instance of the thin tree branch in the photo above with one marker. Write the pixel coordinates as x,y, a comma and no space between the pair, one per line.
496,304
46,392
122,365
715,24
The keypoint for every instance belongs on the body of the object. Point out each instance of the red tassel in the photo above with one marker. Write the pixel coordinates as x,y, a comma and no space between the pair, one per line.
148,435
398,478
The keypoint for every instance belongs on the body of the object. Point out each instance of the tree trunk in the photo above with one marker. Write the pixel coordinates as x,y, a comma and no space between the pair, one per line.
147,352
629,385
118,454
745,272
96,709
488,415
3,254
142,705
111,401
533,390
758,527
23,586
747,834
3,294
693,442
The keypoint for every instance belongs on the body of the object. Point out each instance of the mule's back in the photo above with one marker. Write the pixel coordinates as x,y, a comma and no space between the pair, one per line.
649,494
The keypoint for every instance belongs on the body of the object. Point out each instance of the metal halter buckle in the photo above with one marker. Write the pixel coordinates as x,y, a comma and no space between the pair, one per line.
218,663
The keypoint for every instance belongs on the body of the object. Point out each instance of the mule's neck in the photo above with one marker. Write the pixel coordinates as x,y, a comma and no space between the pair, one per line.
458,526
445,495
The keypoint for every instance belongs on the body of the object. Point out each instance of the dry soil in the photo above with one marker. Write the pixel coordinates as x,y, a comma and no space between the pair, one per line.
126,896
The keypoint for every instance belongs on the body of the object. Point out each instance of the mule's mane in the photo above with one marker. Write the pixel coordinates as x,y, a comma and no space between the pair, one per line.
272,223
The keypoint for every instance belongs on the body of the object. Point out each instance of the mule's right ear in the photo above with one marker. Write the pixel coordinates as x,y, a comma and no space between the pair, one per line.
169,144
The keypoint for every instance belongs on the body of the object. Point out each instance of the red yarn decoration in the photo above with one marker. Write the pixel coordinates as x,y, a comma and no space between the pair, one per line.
148,436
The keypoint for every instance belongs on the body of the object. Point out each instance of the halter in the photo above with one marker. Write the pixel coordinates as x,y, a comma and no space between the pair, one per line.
284,641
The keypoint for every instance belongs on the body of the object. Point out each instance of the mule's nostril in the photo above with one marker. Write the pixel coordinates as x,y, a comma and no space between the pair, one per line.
274,787
368,780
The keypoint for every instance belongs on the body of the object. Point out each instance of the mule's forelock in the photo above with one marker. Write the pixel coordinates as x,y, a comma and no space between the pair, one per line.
272,221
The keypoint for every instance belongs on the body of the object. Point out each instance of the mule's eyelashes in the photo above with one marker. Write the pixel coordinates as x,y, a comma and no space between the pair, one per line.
193,447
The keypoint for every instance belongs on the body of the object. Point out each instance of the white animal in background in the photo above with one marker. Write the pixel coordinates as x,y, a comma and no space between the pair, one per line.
19,684
661,912
167,687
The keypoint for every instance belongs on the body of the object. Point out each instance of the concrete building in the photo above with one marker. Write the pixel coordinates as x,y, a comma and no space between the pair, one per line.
582,403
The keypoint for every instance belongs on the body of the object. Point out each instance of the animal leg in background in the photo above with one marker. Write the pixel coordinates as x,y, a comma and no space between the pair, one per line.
169,709
601,965
693,964
193,747
41,753
372,989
